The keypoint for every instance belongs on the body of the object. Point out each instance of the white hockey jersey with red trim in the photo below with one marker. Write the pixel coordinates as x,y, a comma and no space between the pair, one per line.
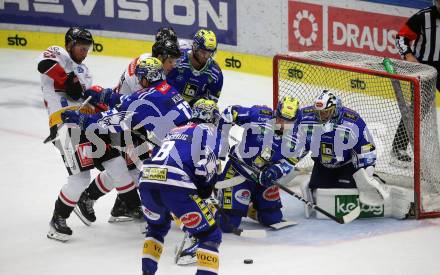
129,83
55,97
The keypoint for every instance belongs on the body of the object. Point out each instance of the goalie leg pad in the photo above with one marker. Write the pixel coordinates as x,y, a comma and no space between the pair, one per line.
399,202
371,192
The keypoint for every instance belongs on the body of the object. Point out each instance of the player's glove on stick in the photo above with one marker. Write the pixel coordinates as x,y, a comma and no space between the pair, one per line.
75,117
270,174
73,86
99,95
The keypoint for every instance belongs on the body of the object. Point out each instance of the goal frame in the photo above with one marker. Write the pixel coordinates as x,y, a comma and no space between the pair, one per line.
420,214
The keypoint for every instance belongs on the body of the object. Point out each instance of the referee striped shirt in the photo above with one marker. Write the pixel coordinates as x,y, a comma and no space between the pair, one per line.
424,29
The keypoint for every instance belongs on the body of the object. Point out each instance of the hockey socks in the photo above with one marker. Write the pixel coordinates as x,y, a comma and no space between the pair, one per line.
151,254
207,260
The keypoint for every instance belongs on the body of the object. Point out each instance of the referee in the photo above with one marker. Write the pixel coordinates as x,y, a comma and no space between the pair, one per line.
424,29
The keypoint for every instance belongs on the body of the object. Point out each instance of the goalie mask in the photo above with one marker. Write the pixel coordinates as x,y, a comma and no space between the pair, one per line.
151,69
327,106
206,110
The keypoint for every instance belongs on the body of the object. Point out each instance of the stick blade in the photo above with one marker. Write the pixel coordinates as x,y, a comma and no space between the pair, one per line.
256,233
352,215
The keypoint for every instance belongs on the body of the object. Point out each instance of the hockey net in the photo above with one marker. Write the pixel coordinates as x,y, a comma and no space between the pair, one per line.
384,101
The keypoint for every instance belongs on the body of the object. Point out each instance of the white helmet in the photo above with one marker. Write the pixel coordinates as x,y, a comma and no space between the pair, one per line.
327,106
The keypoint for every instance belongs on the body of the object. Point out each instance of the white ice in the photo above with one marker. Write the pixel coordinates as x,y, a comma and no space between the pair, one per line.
32,174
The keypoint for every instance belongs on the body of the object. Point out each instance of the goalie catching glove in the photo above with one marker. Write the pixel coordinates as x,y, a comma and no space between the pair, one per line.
371,192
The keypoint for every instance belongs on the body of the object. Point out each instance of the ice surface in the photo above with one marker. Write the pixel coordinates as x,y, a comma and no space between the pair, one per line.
32,174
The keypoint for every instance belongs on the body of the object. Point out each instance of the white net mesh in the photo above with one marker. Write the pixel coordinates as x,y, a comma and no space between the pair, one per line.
384,102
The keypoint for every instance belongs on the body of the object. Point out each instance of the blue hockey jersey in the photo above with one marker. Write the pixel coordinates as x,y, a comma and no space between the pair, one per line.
340,141
155,109
259,146
193,84
186,159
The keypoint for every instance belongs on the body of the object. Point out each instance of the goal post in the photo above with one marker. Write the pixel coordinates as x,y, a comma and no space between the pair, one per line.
399,109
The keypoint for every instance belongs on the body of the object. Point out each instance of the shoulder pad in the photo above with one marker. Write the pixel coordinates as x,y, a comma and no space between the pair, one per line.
350,115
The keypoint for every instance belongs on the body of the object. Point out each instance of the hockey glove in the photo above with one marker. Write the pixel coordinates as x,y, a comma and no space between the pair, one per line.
269,175
99,95
273,172
205,192
229,115
75,117
73,86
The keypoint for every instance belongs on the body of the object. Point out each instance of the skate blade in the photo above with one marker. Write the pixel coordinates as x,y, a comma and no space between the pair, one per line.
186,260
81,217
400,163
120,219
52,234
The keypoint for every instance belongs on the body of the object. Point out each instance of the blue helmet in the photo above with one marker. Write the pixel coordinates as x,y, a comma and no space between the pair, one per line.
205,40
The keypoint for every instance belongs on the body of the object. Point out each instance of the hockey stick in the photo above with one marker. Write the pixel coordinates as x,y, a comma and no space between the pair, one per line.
342,220
404,109
298,171
249,233
84,103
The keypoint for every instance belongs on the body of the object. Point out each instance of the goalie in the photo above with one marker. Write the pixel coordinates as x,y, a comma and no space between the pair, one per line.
343,152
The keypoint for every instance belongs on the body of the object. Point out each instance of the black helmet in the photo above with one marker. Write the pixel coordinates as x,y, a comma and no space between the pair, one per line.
166,48
166,33
77,34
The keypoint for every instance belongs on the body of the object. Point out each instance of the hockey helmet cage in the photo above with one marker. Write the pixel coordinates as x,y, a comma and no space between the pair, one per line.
77,34
166,33
327,106
151,69
205,40
206,110
287,108
166,48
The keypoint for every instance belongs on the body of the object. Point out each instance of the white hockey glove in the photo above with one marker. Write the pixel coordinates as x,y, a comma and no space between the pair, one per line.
371,192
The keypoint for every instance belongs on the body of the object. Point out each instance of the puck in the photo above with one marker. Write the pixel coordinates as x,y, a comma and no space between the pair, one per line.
248,261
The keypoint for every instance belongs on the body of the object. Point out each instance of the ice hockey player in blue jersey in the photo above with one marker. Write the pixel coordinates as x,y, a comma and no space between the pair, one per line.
155,109
180,175
341,147
196,74
260,148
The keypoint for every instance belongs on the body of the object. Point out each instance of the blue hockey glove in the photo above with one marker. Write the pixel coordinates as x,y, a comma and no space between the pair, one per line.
269,175
99,95
74,117
229,115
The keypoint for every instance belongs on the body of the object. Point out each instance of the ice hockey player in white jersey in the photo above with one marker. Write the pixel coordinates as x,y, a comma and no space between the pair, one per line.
166,49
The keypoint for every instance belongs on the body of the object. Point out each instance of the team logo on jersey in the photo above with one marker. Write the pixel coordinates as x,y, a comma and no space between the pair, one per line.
84,151
114,119
80,70
191,219
243,196
272,193
150,214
